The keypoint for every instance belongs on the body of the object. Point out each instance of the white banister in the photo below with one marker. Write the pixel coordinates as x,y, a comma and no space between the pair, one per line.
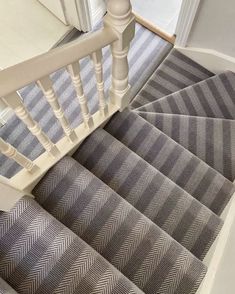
97,60
121,19
118,31
16,77
74,71
14,101
9,151
47,87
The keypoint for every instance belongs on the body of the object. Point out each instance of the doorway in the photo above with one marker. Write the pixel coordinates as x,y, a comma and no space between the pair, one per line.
160,15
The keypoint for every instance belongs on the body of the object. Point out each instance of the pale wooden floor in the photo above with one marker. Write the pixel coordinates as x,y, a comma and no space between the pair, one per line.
161,13
27,29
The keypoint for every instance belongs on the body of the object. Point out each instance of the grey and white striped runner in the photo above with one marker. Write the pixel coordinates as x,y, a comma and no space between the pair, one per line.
175,73
210,139
153,194
144,253
173,160
213,97
40,255
143,61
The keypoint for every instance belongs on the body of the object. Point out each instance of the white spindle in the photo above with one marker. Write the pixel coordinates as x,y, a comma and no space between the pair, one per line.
14,101
97,60
120,19
47,87
74,71
11,152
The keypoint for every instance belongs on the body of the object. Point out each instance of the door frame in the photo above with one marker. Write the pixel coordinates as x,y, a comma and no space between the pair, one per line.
81,14
71,12
186,19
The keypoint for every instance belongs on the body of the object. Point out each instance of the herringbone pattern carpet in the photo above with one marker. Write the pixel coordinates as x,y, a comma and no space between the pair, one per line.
175,73
138,206
173,160
152,193
131,242
40,255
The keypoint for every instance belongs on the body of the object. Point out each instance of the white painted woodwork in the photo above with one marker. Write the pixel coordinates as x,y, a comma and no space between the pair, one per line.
97,10
118,32
23,181
97,60
27,30
214,61
78,14
221,257
47,87
9,195
15,102
121,19
187,16
5,112
74,70
11,152
57,7
36,68
82,14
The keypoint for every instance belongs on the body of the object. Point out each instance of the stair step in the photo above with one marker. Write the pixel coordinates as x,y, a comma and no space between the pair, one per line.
210,139
38,254
173,160
153,194
175,73
143,252
213,97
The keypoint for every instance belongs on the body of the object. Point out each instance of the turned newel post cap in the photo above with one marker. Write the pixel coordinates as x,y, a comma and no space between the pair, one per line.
119,10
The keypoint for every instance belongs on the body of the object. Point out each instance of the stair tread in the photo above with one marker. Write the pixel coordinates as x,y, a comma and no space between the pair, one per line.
173,160
40,255
130,241
212,97
210,139
153,194
176,72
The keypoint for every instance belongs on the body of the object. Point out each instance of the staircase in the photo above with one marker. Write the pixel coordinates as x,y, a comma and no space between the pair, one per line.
138,205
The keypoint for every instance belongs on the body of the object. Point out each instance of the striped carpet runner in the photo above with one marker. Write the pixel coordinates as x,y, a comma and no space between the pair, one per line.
40,255
175,73
138,206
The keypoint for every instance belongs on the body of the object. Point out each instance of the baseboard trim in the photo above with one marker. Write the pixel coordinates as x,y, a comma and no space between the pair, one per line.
214,61
153,28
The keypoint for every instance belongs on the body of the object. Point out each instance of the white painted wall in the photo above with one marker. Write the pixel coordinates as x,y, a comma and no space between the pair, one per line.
214,27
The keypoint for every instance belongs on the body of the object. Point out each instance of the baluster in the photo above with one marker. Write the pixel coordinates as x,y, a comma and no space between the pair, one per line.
74,71
47,87
97,60
15,103
122,21
11,152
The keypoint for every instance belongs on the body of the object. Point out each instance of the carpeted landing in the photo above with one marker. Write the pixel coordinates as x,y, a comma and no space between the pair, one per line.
138,206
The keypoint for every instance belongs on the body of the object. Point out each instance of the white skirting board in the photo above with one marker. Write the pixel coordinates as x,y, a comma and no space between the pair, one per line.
221,257
214,61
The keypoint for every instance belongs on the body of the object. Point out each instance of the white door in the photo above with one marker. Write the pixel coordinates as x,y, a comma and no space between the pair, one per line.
82,14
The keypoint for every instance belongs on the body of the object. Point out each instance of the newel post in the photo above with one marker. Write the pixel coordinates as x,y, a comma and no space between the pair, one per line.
122,21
